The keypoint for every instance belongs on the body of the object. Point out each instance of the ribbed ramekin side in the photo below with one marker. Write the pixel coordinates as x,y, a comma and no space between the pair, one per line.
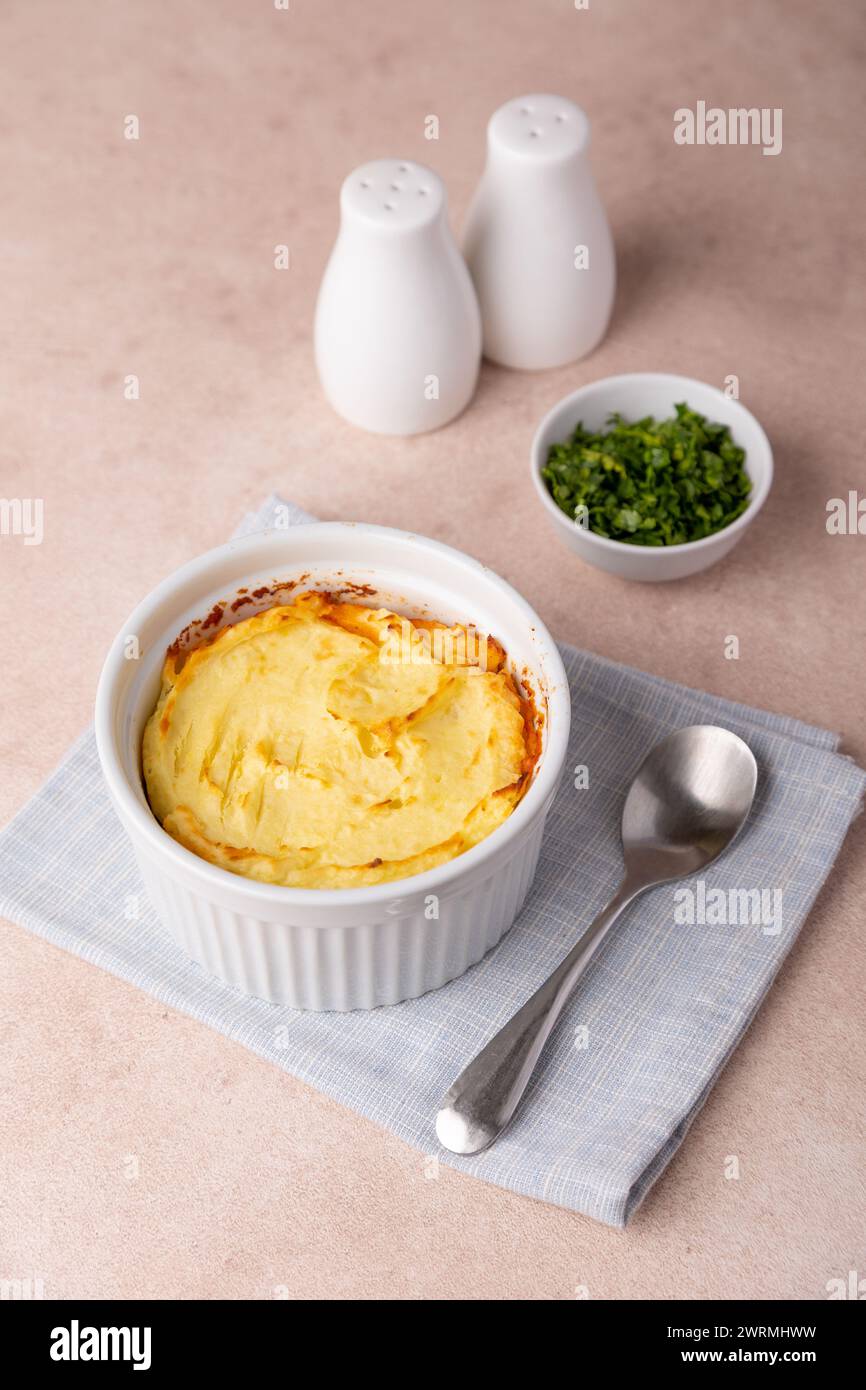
342,967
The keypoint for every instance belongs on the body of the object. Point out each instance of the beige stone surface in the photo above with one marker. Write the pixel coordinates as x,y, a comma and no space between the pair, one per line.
155,258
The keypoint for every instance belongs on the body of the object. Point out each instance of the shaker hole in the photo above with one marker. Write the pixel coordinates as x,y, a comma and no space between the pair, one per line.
389,207
422,192
365,183
525,110
534,134
396,187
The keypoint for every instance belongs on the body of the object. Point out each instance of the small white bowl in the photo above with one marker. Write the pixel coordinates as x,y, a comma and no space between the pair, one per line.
350,948
634,395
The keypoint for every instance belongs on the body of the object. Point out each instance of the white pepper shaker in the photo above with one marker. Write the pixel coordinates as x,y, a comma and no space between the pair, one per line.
537,240
398,332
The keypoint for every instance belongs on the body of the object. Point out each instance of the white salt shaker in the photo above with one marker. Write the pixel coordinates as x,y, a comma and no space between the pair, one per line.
537,240
398,332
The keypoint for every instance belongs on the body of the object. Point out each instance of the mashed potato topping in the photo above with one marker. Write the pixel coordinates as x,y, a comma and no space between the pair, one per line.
311,746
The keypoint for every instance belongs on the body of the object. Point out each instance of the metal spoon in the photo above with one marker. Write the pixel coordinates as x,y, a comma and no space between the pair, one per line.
688,800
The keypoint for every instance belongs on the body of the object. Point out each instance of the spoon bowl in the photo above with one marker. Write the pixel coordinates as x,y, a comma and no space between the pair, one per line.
688,800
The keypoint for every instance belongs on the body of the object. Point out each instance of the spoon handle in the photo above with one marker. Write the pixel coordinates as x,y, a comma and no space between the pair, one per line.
488,1091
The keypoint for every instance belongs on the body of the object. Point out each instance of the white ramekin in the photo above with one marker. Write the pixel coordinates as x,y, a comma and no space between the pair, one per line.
634,395
345,948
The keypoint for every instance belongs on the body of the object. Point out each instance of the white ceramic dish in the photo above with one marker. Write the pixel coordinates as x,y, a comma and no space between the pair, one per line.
347,948
635,395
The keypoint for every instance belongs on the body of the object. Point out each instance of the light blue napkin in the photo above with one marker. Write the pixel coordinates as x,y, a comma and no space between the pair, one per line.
654,1020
